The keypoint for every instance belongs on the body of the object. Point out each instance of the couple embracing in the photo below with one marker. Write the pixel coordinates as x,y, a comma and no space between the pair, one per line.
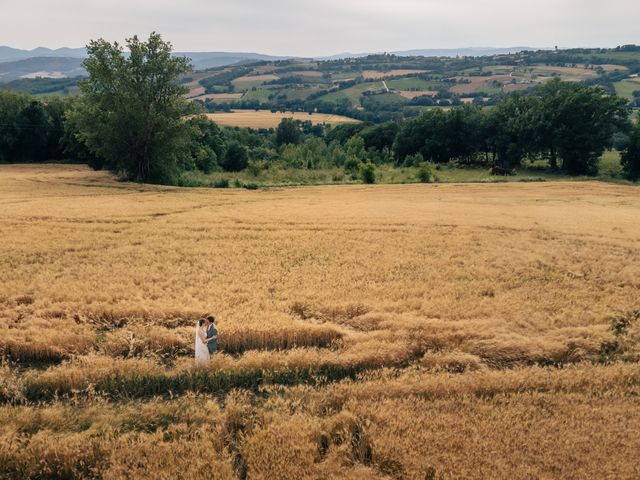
206,338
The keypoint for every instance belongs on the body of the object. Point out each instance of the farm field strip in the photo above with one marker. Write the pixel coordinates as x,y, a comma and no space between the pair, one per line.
268,119
377,75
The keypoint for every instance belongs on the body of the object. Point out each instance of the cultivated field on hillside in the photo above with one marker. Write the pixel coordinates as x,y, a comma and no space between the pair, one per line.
221,97
367,332
268,119
375,74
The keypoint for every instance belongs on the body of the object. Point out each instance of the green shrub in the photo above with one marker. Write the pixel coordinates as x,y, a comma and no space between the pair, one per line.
205,158
532,179
631,157
255,167
427,173
187,179
368,173
222,183
413,160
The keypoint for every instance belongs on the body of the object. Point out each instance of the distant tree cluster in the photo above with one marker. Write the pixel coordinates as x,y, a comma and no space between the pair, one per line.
31,129
40,86
568,124
631,156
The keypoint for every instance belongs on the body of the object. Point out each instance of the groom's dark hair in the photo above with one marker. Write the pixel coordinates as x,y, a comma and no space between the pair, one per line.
211,318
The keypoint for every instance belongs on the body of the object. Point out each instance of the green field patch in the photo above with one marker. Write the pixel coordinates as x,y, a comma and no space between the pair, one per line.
354,93
261,94
388,100
298,93
625,88
342,76
247,82
412,83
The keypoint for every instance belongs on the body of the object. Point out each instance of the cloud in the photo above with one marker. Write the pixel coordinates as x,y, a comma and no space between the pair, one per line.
312,27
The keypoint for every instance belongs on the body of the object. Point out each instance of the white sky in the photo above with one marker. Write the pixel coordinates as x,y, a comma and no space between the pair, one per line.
321,27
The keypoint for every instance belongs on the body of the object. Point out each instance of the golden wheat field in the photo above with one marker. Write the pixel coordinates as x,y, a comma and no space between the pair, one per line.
269,119
366,332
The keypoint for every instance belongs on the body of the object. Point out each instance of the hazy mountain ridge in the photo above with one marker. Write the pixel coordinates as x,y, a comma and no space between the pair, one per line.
17,63
437,52
10,54
49,67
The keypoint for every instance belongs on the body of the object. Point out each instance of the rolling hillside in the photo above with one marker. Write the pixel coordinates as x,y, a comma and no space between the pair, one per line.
373,88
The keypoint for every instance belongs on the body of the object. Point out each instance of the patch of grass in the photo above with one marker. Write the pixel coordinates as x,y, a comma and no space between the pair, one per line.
354,93
625,88
261,94
413,83
276,176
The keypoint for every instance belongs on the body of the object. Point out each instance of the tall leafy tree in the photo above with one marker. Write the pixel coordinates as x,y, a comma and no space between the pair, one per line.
380,136
575,123
11,107
631,156
30,128
440,136
236,157
288,132
509,122
132,109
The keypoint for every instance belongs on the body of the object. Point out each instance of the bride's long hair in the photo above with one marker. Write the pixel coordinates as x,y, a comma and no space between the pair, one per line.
198,327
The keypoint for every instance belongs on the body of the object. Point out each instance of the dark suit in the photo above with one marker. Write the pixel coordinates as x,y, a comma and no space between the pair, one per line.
212,331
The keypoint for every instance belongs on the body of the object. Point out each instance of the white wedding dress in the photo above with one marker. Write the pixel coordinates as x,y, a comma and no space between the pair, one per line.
202,352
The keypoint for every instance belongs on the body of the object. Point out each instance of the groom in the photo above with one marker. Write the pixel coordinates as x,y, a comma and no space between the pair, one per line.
211,335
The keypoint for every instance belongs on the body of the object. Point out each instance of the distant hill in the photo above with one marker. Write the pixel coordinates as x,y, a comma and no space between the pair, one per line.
204,60
439,52
16,63
46,67
463,52
8,54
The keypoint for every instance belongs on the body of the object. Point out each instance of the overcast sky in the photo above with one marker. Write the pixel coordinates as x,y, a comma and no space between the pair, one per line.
319,27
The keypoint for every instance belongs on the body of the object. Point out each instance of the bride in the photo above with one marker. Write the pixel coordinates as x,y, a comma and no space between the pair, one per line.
202,352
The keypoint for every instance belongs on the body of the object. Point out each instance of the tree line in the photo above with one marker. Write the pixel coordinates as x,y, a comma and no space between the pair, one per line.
567,124
132,119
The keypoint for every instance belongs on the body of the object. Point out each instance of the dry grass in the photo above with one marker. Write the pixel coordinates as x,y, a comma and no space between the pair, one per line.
410,331
417,93
608,67
306,73
251,78
569,71
268,119
378,74
517,87
475,83
221,97
195,90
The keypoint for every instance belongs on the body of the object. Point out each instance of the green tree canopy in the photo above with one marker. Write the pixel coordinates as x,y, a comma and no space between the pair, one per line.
236,158
576,123
132,109
631,156
30,127
288,132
